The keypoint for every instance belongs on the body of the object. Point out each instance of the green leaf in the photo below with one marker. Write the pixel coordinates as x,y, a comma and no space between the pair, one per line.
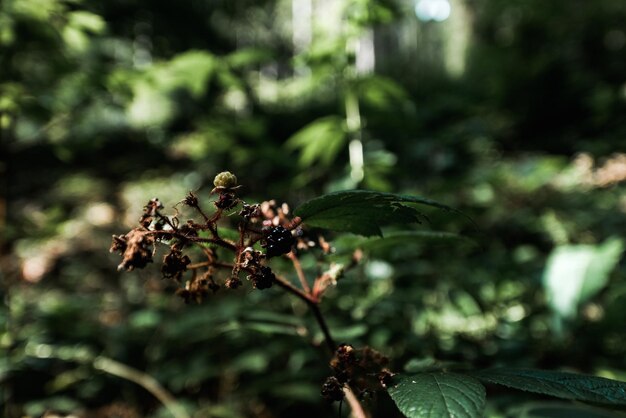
320,141
245,57
189,70
362,212
575,273
437,395
561,410
559,384
382,93
397,238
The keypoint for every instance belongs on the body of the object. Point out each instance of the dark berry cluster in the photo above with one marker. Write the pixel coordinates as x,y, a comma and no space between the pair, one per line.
332,390
277,241
262,278
363,369
174,264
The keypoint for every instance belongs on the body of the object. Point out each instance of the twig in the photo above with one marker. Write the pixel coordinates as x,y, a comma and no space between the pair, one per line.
144,380
355,405
330,342
285,284
298,267
210,263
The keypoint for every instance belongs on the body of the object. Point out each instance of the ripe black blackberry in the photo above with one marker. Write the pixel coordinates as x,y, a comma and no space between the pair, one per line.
263,278
277,241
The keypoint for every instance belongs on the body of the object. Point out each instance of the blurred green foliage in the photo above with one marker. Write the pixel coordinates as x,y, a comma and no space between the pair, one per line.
104,105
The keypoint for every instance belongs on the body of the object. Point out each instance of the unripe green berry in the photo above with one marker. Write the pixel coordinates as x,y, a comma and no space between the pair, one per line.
225,179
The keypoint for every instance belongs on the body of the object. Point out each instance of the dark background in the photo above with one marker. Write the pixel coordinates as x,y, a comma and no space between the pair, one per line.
512,111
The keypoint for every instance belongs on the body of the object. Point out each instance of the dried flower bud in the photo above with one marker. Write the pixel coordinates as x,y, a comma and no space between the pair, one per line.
174,265
191,200
250,211
137,248
233,283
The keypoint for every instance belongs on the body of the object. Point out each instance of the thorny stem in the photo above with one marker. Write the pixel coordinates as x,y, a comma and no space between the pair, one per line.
206,218
218,241
215,240
313,304
330,342
210,263
298,267
355,404
295,291
310,298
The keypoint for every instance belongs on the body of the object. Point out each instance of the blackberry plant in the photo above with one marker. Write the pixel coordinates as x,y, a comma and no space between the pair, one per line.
278,241
267,230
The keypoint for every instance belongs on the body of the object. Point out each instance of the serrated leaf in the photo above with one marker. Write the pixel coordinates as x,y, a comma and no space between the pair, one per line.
438,395
559,384
363,212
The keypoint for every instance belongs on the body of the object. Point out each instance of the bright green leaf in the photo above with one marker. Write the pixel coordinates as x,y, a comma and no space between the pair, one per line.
190,70
438,395
362,212
320,141
559,384
382,93
248,56
149,106
87,21
575,273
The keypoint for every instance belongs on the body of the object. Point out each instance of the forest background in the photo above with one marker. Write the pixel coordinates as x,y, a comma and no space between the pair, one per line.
511,111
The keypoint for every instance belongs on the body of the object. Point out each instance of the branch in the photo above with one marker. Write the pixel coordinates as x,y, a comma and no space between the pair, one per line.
285,284
355,405
313,304
298,267
144,380
330,342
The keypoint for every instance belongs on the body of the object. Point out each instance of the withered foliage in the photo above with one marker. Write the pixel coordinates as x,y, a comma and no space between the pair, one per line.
136,248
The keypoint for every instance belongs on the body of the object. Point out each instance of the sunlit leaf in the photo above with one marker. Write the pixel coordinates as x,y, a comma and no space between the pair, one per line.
190,70
87,21
248,56
382,93
575,273
320,141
